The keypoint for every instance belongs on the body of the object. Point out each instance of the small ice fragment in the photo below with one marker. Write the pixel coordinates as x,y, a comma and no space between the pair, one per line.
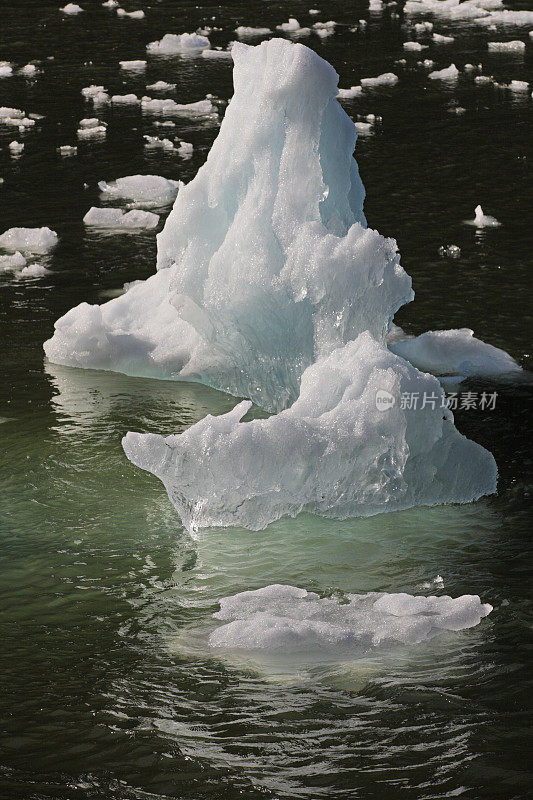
66,150
133,66
71,8
151,105
124,99
244,32
414,46
349,94
423,27
363,128
16,148
515,46
161,86
324,29
28,71
174,43
450,251
483,79
314,11
519,86
130,14
6,70
438,38
29,240
33,271
157,143
117,219
10,113
185,149
110,4
288,27
149,190
483,221
386,79
209,53
447,74
12,262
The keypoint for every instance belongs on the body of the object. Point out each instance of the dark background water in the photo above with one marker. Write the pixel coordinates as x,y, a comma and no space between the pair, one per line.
102,695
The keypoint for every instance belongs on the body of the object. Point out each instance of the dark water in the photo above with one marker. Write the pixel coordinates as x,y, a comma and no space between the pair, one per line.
103,692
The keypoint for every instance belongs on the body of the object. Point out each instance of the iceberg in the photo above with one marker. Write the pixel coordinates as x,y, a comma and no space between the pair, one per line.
293,620
270,286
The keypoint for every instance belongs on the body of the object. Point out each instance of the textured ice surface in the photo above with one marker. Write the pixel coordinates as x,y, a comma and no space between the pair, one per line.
386,79
274,288
174,43
143,190
280,617
28,240
455,352
450,73
151,105
116,219
337,451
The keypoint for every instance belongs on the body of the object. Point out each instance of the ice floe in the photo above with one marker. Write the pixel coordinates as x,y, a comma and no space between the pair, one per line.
145,190
117,219
36,241
178,43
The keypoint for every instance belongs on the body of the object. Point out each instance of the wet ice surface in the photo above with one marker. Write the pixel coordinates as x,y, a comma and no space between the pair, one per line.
98,571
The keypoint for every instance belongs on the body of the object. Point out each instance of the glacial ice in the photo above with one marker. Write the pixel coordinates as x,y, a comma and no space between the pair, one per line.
117,219
482,220
16,148
151,105
6,69
450,73
12,262
32,271
131,14
386,79
71,8
349,94
133,66
173,43
414,46
455,352
516,46
143,190
274,289
439,38
125,99
161,86
244,32
282,617
36,241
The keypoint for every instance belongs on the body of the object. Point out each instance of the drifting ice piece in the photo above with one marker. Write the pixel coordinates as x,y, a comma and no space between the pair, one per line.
143,190
482,220
273,288
173,43
294,620
29,240
116,219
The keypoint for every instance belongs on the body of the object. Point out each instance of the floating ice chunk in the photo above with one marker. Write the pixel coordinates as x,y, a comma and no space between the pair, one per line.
519,86
423,27
350,94
110,4
450,250
386,79
324,29
33,271
156,143
439,38
314,11
36,241
91,129
290,26
209,53
133,66
117,219
71,8
6,69
455,352
16,148
450,73
336,451
28,71
151,105
89,122
414,46
483,79
174,43
67,150
482,220
151,190
10,113
125,100
363,128
507,17
185,150
244,32
12,262
294,620
161,86
131,14
515,46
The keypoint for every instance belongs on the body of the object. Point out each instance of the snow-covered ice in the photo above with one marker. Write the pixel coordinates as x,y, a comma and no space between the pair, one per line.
133,66
386,79
455,352
178,43
244,32
37,241
117,219
450,73
275,289
282,617
71,8
143,190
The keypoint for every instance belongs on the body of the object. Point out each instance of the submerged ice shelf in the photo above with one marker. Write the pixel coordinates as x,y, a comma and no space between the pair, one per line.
276,290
